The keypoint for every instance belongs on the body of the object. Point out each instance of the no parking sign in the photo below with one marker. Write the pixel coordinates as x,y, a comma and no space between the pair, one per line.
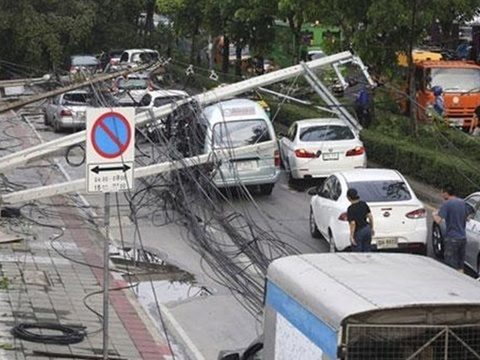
110,149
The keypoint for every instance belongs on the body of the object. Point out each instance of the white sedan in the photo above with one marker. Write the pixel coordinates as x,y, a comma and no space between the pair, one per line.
319,147
400,221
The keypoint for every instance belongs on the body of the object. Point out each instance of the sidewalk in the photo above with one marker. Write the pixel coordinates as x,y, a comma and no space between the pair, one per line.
42,286
37,284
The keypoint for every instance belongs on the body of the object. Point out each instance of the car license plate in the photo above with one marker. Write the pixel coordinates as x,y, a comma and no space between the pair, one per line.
246,165
330,156
387,243
456,122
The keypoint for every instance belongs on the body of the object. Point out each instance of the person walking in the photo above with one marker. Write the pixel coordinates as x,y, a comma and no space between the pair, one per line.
360,221
455,212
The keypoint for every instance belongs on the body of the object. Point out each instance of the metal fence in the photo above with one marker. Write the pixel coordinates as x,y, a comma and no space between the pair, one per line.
391,342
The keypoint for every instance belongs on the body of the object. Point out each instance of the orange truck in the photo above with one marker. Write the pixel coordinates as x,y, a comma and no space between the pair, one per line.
460,81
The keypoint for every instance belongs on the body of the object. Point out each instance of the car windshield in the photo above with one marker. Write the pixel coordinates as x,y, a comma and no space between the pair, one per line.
84,61
381,191
76,98
240,133
326,133
133,84
455,79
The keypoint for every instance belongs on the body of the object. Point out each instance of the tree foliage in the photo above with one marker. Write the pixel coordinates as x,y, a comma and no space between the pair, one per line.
43,33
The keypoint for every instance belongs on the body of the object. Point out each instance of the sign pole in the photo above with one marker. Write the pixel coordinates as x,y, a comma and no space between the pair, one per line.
106,275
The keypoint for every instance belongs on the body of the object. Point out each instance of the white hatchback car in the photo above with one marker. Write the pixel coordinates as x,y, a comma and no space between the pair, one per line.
320,147
400,221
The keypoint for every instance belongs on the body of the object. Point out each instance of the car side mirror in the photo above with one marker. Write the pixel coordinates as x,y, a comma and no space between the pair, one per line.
229,356
312,191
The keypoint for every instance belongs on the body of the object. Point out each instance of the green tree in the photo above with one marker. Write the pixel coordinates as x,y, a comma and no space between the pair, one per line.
297,13
43,33
381,29
187,17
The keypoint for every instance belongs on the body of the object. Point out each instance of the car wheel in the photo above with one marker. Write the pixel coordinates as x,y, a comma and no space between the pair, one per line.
266,189
313,227
437,241
478,266
46,122
331,242
282,161
56,126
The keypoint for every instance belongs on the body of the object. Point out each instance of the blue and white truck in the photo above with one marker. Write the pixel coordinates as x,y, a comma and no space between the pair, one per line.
366,307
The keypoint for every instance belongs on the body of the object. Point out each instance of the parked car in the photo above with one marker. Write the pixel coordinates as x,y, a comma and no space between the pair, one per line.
67,111
162,127
83,64
319,147
110,58
472,254
400,221
139,56
130,90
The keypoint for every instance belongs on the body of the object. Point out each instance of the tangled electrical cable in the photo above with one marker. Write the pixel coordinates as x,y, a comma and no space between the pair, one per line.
70,335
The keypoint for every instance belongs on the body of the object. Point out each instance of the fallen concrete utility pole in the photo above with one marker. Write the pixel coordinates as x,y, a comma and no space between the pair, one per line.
80,184
93,80
26,82
217,94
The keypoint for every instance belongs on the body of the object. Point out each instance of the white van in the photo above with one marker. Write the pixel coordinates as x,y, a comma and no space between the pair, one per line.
240,122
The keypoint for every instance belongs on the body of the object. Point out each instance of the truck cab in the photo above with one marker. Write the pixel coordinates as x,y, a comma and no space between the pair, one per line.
460,82
359,306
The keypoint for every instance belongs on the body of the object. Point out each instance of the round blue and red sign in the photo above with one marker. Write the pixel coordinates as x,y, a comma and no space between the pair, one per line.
111,135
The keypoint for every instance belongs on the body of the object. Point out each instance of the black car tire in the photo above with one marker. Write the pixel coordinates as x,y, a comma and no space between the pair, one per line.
437,241
46,122
313,226
266,189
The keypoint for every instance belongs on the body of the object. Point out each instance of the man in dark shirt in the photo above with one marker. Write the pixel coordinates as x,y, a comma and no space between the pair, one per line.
455,213
360,221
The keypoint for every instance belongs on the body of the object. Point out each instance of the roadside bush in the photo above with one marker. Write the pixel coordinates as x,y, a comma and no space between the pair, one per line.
453,141
429,165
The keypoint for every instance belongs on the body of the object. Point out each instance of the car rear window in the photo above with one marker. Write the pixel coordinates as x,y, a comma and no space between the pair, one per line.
326,133
133,84
240,133
76,98
381,191
84,61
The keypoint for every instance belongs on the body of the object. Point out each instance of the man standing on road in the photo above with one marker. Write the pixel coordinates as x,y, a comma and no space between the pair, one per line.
360,221
455,213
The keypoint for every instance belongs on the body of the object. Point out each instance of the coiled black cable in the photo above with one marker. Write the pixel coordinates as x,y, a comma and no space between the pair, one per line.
70,335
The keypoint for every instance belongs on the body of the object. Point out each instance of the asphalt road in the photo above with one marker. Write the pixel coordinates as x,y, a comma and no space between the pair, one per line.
284,213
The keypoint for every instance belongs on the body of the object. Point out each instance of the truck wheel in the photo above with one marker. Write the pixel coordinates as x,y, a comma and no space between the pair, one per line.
313,227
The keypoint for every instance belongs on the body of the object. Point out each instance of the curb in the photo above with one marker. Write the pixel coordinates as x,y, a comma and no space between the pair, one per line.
180,335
